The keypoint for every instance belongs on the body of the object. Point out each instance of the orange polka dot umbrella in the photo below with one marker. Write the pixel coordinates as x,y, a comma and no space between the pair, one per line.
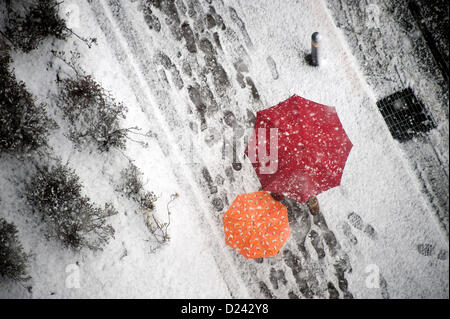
256,225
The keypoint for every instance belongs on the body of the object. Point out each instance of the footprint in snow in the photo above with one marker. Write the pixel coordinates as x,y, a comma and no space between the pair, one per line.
357,222
189,37
347,230
317,243
273,67
425,249
442,255
241,25
253,90
218,204
384,288
277,276
332,291
292,295
265,290
429,249
209,181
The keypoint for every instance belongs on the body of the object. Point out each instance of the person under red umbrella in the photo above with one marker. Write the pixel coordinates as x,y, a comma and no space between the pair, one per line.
299,149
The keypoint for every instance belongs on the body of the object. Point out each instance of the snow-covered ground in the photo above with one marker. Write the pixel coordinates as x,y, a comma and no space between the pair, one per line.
377,224
393,55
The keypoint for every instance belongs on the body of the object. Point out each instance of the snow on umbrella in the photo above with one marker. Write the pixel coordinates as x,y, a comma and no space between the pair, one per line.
311,152
256,225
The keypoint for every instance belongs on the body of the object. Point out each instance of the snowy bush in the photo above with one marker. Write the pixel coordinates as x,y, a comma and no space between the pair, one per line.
24,126
132,186
93,114
29,24
13,260
55,192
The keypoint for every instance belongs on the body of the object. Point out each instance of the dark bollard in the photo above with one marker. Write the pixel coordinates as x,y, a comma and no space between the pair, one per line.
236,165
315,49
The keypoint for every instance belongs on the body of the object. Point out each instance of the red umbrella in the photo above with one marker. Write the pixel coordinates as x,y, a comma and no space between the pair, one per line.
312,148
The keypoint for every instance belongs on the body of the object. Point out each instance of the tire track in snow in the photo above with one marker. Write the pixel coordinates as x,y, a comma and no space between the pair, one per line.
132,70
125,28
123,22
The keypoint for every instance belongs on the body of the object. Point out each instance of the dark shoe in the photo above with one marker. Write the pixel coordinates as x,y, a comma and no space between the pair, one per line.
277,197
313,205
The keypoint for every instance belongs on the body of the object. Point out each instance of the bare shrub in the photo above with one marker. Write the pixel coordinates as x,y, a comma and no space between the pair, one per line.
24,126
159,230
92,112
13,260
133,187
55,193
27,28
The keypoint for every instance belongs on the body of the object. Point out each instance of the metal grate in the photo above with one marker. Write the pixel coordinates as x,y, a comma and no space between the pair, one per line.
405,115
